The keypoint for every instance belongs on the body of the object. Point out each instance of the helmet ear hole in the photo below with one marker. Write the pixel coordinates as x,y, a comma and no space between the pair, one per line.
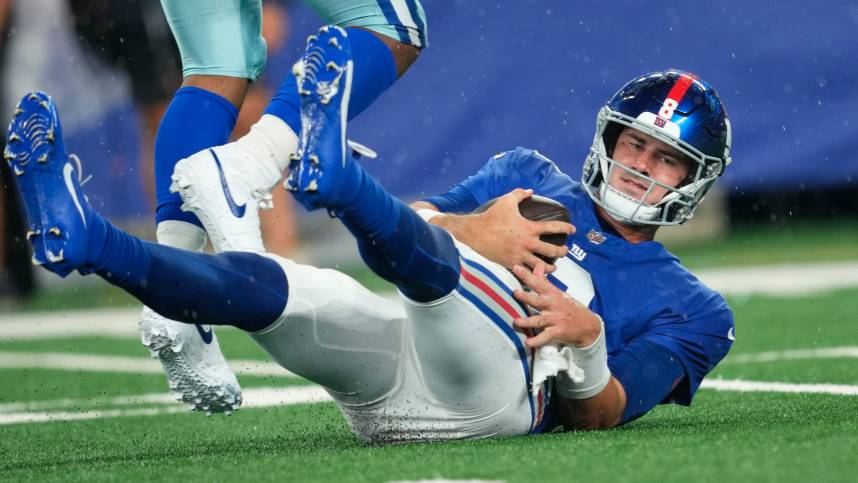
610,136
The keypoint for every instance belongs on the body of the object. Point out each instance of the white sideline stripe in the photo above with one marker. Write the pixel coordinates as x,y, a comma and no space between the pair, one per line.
253,398
14,413
795,354
783,387
68,361
120,323
782,280
776,280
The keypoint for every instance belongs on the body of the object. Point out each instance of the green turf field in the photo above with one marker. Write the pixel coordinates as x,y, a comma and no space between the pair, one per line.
726,435
132,431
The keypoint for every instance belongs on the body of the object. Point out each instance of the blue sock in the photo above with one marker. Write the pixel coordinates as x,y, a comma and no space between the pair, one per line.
419,258
374,73
241,289
195,120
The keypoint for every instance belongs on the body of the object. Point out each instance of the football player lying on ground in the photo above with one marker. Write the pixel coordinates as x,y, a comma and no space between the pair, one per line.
448,365
662,141
222,51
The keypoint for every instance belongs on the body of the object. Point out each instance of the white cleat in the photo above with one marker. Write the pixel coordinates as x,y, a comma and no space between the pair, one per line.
196,370
225,187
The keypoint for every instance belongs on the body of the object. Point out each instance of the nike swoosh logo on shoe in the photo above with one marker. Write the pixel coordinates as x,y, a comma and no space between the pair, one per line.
206,333
67,177
235,208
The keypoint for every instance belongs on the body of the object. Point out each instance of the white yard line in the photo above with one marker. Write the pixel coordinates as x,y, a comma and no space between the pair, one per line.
253,398
68,361
782,387
777,280
15,413
848,352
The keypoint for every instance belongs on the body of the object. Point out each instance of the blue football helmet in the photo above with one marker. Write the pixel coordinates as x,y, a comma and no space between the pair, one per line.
679,109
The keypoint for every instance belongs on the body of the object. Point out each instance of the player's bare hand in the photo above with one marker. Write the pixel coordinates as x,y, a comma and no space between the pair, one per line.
560,319
503,236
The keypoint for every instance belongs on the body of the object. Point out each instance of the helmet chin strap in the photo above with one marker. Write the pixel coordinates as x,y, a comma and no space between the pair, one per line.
624,208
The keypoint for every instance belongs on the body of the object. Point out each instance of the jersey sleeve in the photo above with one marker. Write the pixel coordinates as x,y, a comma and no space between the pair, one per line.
648,373
504,172
700,341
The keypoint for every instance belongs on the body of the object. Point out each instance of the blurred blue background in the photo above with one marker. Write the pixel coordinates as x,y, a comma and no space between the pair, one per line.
534,73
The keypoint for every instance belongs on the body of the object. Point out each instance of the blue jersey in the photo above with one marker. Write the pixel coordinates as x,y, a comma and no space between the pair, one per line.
654,309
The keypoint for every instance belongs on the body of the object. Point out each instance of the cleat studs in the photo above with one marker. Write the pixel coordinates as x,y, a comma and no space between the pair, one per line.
33,233
43,158
45,104
298,68
54,230
55,258
14,137
18,110
33,97
50,135
313,159
313,186
331,65
18,171
333,41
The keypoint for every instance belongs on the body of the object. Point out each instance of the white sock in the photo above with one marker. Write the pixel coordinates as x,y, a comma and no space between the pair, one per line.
181,234
270,141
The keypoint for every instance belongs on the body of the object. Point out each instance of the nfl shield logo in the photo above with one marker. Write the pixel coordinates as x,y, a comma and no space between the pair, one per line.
595,237
660,121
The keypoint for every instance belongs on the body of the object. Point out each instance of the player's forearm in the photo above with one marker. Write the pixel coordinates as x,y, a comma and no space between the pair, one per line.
602,411
458,225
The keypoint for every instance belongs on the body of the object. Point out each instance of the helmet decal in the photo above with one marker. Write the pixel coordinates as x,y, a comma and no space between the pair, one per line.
674,97
673,107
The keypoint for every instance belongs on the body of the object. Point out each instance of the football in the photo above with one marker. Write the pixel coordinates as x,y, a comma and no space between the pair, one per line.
540,208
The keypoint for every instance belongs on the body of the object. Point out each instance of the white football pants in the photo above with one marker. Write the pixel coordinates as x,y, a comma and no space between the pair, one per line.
406,371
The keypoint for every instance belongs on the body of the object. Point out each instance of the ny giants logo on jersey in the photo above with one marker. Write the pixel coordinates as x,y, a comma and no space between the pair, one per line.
577,252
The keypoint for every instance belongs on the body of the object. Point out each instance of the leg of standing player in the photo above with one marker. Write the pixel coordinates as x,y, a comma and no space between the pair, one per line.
386,40
222,50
